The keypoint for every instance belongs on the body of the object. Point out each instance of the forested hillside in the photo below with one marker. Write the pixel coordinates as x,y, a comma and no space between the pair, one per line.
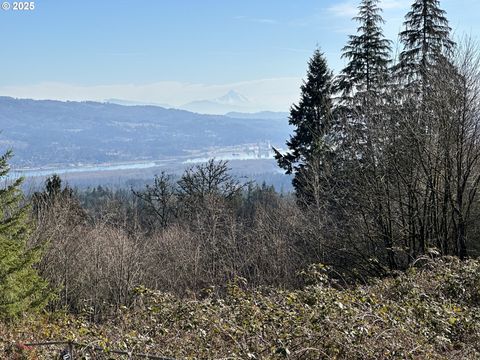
67,133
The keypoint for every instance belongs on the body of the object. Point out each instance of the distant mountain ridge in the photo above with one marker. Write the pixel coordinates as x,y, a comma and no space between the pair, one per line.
135,103
45,132
232,104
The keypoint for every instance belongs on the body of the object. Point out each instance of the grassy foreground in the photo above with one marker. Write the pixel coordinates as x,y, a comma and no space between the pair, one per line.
432,312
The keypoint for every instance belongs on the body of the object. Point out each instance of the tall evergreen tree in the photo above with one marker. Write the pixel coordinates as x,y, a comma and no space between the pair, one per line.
368,52
312,118
425,38
21,288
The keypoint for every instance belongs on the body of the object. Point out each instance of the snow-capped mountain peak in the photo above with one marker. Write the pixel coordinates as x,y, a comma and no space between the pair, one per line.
231,101
232,98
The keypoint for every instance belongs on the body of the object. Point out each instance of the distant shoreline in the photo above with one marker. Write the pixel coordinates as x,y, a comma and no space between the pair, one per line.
48,170
42,171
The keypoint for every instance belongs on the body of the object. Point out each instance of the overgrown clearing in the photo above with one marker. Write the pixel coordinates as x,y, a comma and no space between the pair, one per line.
431,311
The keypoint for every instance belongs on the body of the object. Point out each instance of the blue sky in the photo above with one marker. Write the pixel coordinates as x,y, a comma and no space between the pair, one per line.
176,51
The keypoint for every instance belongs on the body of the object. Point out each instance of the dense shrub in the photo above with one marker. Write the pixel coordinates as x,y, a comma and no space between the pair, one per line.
429,312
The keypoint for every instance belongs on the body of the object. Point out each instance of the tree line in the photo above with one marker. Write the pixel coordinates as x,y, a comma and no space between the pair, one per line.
388,150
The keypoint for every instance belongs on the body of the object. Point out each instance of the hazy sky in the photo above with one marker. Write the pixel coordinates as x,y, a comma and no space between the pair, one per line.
176,51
